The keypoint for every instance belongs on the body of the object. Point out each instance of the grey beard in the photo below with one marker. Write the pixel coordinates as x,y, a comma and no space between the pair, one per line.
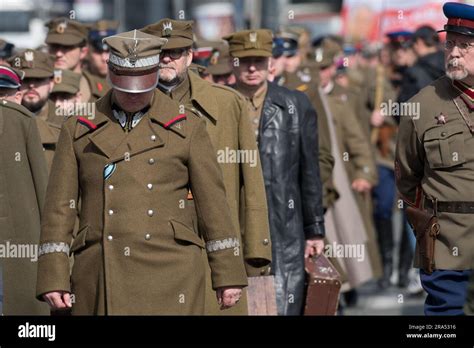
168,86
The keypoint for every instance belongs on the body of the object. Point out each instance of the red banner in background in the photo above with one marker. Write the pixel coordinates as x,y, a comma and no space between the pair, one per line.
370,20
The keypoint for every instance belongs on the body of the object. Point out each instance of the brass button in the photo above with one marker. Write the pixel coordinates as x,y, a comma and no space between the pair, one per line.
150,186
111,212
151,161
111,187
147,236
263,271
110,238
150,212
266,241
153,137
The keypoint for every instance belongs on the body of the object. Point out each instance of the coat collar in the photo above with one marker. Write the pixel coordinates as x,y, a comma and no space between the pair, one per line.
107,135
274,100
276,95
201,96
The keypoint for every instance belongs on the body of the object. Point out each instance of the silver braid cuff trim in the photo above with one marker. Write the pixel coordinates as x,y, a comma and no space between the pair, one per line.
48,248
222,244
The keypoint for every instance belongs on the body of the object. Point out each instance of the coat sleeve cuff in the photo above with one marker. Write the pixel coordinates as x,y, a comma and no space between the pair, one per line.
315,230
53,274
227,266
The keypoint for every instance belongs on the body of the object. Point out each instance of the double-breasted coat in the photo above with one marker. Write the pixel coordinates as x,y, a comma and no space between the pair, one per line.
231,134
137,251
23,180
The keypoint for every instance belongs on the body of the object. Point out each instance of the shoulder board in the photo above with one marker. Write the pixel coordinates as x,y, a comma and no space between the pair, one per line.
174,120
20,108
227,88
302,87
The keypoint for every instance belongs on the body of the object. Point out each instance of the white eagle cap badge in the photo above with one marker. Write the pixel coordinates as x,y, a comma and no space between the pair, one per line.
253,37
167,29
29,56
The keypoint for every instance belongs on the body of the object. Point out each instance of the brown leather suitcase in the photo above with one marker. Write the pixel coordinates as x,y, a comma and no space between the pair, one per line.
261,298
323,286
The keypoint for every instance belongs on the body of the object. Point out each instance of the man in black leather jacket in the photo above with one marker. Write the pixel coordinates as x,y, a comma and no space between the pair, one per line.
287,134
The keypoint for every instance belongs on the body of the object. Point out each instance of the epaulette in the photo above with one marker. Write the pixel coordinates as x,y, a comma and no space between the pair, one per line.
230,89
20,108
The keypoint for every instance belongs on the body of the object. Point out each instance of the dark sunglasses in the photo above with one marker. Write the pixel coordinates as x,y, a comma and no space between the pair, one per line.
174,53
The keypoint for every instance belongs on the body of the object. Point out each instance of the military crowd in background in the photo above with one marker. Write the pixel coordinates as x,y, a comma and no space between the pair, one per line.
320,112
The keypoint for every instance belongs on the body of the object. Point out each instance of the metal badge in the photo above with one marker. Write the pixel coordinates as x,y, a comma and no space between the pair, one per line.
167,29
253,37
441,118
58,76
61,27
29,56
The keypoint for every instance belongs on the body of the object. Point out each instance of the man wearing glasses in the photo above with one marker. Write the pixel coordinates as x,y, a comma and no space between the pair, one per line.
434,168
230,131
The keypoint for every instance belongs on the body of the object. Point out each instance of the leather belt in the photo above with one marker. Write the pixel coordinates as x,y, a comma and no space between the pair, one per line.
465,207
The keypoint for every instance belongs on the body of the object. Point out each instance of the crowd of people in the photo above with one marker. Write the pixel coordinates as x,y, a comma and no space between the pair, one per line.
126,160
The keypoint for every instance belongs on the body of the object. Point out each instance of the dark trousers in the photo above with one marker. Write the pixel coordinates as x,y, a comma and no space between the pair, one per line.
446,290
384,194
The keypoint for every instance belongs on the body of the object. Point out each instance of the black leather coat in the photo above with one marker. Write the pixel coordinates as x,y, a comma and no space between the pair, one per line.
288,145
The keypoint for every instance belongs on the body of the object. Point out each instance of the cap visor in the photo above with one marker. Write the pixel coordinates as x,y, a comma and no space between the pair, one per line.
64,39
251,53
219,69
8,84
177,43
133,84
37,73
457,29
64,89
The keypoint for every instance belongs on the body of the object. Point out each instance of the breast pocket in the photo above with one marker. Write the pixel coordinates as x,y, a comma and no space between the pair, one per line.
444,146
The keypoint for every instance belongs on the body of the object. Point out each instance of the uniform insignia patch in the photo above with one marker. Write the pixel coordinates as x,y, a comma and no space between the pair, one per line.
174,121
441,119
167,29
61,27
29,56
58,76
109,169
253,37
84,121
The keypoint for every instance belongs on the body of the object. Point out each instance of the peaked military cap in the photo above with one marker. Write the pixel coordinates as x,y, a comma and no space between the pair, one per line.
220,62
99,31
460,18
400,38
6,49
326,53
134,60
66,81
250,43
34,63
66,32
10,77
178,33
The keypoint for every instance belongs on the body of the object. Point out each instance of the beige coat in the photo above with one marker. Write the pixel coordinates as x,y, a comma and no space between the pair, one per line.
23,180
229,129
137,251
